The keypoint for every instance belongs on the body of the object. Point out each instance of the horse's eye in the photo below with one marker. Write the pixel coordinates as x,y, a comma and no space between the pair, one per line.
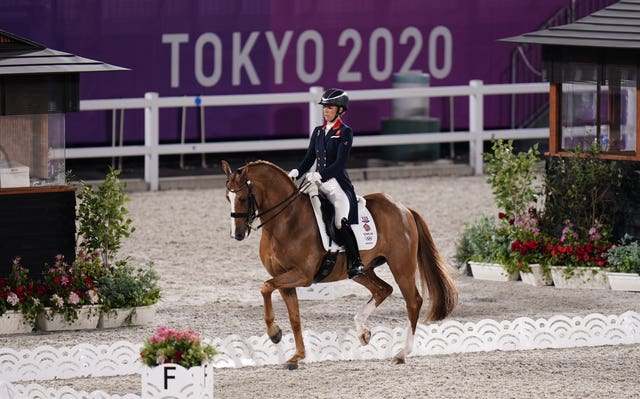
242,200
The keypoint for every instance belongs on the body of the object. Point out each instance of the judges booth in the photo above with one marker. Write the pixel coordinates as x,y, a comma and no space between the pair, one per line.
38,86
592,67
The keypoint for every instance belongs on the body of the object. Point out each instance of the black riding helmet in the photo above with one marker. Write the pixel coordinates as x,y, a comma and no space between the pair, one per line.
335,97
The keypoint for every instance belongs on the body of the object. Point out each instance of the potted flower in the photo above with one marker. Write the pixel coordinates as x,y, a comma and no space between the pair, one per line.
516,188
18,305
624,265
528,250
485,246
128,295
69,293
579,260
179,362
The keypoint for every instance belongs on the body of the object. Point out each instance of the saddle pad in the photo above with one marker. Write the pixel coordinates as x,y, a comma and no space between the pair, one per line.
365,231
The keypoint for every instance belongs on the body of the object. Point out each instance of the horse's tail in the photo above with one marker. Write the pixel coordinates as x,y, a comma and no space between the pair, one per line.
434,274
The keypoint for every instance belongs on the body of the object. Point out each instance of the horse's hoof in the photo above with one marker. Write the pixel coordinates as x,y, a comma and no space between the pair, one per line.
365,337
290,366
275,338
398,360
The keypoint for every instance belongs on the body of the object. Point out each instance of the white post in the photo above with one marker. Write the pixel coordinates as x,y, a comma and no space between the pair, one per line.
476,126
315,111
151,142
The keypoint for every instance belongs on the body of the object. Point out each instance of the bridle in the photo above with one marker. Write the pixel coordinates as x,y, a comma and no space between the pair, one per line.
252,211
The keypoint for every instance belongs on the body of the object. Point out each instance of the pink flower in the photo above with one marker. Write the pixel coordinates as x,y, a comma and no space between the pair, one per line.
74,299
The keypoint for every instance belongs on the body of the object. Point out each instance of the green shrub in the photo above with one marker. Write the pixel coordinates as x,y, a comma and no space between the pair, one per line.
125,286
102,217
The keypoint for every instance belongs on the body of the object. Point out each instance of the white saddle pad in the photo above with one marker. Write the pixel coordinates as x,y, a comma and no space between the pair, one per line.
365,231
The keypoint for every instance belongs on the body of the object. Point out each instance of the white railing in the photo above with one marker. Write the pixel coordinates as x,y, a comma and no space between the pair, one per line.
151,103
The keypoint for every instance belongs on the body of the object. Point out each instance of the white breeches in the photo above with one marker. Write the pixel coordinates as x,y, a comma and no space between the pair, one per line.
332,190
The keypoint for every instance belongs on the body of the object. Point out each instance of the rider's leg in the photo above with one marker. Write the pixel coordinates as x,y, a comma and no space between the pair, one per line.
340,201
355,268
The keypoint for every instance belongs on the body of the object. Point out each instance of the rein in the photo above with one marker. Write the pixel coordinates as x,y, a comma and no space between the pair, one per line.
251,215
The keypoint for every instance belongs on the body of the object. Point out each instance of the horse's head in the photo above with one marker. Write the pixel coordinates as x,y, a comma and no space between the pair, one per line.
257,189
242,201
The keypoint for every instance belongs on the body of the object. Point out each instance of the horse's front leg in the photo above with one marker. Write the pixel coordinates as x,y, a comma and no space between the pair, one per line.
290,297
273,331
287,284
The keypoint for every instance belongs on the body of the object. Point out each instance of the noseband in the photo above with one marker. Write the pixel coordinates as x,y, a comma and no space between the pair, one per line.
251,213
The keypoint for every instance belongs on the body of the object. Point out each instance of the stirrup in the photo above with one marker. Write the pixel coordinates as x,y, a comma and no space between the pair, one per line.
356,269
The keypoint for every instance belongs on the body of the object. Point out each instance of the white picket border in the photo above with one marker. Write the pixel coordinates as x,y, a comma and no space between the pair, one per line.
122,358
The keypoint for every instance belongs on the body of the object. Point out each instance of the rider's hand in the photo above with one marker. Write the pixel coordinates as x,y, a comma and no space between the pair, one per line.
293,174
314,177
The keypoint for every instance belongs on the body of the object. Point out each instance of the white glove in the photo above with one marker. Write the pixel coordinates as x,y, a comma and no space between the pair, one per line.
314,177
293,174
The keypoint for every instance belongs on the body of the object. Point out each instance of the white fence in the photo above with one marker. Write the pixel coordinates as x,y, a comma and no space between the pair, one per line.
151,103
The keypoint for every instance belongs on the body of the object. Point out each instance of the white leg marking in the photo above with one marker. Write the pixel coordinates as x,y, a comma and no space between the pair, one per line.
408,345
362,316
232,230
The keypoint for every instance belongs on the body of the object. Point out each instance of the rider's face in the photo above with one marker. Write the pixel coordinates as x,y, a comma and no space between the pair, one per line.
330,112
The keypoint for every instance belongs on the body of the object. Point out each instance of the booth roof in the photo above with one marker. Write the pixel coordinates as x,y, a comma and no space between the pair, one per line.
22,56
617,26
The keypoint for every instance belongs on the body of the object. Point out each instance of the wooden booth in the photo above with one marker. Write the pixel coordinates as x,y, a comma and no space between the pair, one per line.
592,66
37,208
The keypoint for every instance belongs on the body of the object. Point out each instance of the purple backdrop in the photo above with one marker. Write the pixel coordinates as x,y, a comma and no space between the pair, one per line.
204,47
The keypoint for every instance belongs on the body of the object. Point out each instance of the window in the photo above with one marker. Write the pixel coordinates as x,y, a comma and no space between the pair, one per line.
598,103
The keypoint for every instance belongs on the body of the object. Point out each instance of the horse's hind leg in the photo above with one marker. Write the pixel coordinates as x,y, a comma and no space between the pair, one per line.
380,290
414,303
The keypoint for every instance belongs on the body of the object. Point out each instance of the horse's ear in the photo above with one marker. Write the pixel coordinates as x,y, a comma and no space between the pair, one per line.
226,168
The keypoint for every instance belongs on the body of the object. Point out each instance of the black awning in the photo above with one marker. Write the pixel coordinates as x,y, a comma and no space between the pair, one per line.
22,56
615,26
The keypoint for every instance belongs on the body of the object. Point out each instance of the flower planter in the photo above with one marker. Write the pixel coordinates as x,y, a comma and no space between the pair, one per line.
174,381
142,315
115,318
492,272
624,281
88,318
13,322
582,277
536,276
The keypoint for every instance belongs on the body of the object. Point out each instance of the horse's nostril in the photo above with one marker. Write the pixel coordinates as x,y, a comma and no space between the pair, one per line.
239,236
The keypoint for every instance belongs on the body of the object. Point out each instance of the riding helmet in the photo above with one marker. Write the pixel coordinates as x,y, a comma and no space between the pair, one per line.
335,97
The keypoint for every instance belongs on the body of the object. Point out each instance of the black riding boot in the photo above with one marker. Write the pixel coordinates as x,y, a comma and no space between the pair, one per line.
355,268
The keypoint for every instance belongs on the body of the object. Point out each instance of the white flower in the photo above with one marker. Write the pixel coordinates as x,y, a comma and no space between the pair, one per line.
93,296
160,357
57,301
13,299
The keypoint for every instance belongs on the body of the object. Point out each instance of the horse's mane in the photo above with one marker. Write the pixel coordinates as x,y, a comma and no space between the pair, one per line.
271,166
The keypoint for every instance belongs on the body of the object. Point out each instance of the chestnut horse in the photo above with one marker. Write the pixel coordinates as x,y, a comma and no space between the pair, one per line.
291,250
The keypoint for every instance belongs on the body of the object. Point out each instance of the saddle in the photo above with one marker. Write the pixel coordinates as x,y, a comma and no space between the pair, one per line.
365,231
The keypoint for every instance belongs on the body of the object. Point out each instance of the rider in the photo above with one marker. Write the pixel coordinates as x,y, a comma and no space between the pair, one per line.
325,162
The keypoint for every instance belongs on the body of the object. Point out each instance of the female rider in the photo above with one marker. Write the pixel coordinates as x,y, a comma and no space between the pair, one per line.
325,164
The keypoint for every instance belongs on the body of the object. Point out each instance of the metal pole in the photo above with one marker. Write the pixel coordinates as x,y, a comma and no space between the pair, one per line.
452,121
315,112
203,137
183,129
114,118
121,138
476,123
151,141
